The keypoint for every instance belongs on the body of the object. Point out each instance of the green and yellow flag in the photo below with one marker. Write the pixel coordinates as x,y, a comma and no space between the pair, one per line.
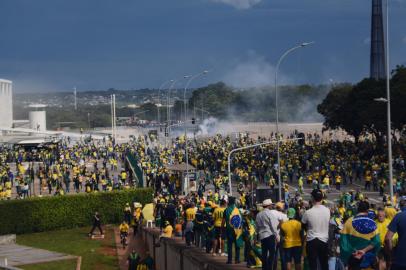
235,222
358,233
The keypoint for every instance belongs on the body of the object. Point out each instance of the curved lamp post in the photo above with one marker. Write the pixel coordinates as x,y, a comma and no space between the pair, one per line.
191,78
302,45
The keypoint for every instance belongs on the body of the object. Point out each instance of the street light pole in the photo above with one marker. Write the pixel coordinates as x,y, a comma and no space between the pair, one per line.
191,78
277,109
88,120
244,148
388,106
75,97
159,101
168,110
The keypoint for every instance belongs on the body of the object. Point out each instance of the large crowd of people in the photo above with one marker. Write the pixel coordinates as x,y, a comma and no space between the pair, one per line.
101,165
352,229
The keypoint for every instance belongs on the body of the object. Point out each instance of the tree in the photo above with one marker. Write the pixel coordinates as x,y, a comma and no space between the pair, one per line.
332,106
355,109
398,98
150,111
216,98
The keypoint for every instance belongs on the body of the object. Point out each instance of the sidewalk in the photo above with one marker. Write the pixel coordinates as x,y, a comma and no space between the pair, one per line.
134,243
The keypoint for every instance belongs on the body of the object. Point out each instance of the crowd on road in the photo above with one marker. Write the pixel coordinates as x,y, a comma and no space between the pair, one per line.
101,165
63,168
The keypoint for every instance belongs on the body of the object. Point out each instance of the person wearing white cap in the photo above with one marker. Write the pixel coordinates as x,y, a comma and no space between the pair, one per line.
267,233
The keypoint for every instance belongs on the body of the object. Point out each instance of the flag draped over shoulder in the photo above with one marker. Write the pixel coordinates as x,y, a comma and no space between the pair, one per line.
358,233
235,222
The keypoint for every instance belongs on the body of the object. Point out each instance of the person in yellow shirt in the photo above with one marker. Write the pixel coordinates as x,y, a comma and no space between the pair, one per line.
167,232
124,228
338,182
341,210
8,193
326,183
190,215
219,236
382,225
291,232
123,176
390,211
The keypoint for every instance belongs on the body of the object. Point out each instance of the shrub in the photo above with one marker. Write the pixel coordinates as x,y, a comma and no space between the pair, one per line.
50,213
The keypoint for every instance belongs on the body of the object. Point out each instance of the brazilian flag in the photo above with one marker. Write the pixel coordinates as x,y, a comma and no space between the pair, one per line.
235,222
359,232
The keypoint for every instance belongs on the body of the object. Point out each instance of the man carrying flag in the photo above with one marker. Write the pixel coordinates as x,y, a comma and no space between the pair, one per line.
233,224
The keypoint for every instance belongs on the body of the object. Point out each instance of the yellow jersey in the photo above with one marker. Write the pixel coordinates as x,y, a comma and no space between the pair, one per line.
124,228
390,212
190,214
167,232
218,216
291,230
382,229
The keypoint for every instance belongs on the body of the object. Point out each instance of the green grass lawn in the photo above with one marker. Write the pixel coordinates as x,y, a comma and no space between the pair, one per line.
61,265
96,254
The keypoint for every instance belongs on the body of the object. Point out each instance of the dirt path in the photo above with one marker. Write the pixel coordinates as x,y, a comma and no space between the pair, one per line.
134,243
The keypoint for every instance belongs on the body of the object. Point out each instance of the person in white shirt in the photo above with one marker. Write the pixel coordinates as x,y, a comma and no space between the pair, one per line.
267,233
280,217
316,222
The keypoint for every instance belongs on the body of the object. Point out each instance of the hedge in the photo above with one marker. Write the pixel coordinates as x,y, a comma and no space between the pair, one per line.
70,211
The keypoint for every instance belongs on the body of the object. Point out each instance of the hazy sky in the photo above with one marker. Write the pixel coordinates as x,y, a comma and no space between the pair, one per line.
53,45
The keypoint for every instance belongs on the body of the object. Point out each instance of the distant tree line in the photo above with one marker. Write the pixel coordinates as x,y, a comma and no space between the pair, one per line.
296,104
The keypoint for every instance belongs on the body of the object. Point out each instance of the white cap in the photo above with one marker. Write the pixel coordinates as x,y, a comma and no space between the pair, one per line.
266,202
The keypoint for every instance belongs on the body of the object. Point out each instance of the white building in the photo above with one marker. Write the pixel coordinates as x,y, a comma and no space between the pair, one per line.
37,117
6,103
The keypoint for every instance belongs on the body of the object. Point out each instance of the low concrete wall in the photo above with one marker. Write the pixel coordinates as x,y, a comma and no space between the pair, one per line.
173,254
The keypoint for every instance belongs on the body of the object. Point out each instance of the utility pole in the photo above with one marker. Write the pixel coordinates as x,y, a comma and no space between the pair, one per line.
75,97
111,114
88,120
388,109
114,117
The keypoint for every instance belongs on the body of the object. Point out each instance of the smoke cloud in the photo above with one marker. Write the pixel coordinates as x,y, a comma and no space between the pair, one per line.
254,76
212,126
254,71
208,127
239,4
